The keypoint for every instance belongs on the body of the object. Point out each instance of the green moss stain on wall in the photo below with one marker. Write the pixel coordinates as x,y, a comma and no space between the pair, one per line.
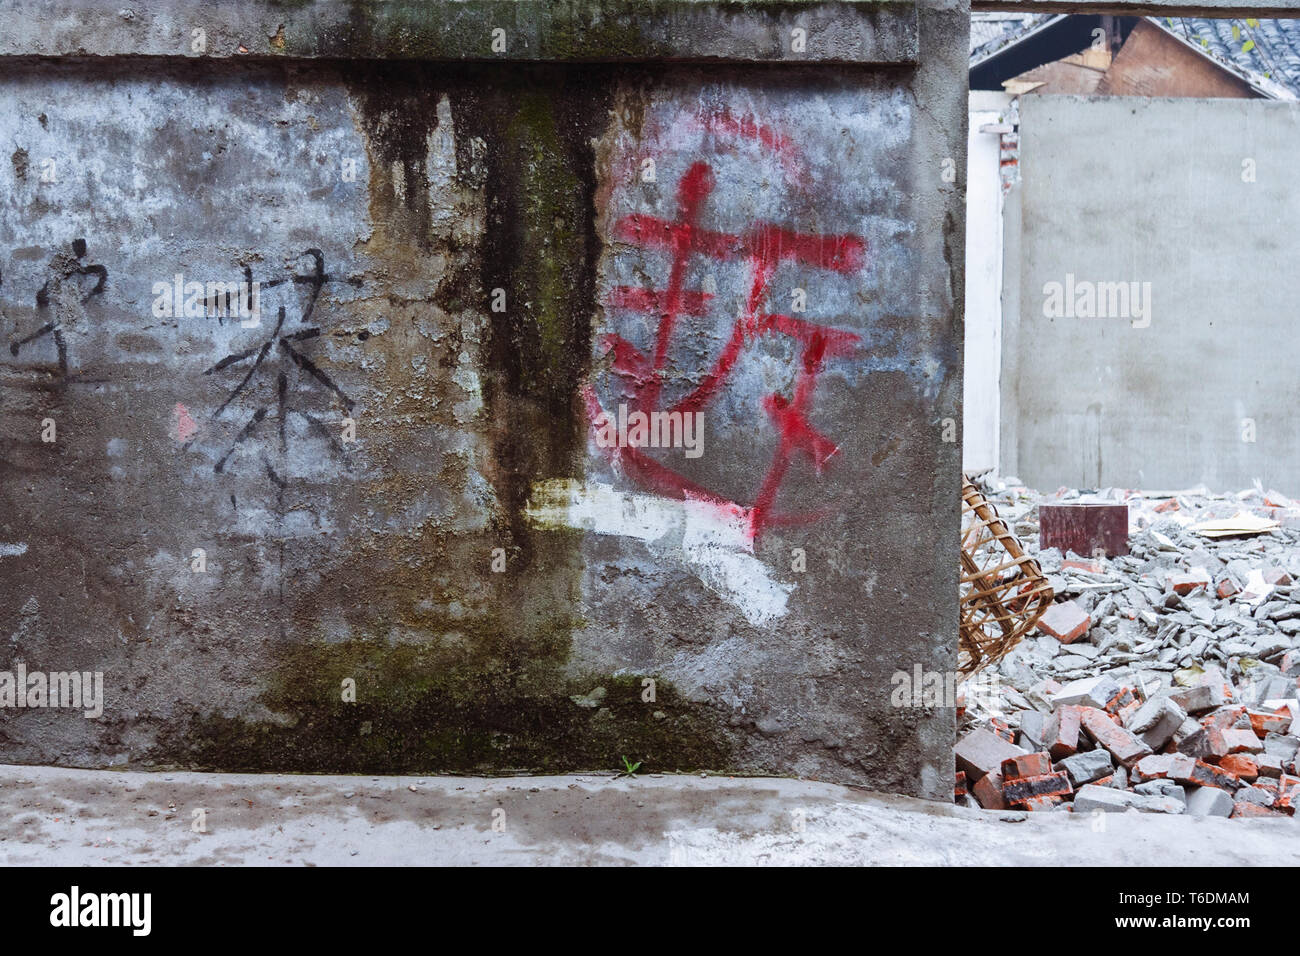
458,669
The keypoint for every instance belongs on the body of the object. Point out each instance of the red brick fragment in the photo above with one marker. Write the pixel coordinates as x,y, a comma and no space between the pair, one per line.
1288,795
1184,769
1241,741
1224,717
1227,587
1241,765
1186,583
982,751
959,788
1055,784
1061,736
1002,729
1270,765
1065,621
1126,748
1029,765
1277,577
1091,567
1208,775
1121,699
1039,803
988,792
1263,722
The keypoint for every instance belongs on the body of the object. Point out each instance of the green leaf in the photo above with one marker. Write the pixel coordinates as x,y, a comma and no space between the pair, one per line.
1248,46
1236,32
1252,22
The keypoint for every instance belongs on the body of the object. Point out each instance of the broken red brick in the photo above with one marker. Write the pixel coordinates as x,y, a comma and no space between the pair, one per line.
1040,803
1277,577
1241,765
1208,775
1263,722
1061,736
1288,798
1002,729
1223,717
1028,765
1270,765
1186,583
1184,769
959,788
1121,699
1092,567
1244,809
988,792
1227,587
1241,741
1052,784
1164,766
1065,621
981,752
1126,748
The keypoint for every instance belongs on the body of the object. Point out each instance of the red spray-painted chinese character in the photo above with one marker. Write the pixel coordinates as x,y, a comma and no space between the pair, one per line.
761,249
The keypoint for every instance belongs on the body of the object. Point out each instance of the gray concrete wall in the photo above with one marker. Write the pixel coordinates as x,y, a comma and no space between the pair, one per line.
1196,198
470,264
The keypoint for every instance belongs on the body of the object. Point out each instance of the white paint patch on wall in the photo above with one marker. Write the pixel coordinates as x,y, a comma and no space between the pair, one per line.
983,352
13,550
713,540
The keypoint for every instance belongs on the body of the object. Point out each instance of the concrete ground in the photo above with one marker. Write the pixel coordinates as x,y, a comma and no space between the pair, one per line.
79,817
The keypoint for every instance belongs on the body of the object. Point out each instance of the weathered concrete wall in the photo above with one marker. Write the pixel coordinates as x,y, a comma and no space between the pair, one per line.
467,266
1193,200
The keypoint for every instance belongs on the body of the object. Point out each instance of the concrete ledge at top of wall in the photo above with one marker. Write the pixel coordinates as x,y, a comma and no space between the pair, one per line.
1166,8
773,31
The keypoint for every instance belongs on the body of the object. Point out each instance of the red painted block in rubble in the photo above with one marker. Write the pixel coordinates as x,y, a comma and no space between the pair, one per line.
959,788
1243,809
1084,528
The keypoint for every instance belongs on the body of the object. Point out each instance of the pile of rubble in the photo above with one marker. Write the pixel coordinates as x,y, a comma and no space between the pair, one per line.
1165,680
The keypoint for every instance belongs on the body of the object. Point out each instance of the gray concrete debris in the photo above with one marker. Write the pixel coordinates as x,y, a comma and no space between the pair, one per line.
1193,647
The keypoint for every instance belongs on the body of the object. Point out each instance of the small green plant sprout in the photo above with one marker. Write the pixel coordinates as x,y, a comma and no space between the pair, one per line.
629,768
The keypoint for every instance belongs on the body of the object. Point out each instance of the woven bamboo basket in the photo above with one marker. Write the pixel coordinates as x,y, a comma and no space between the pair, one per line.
1003,591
